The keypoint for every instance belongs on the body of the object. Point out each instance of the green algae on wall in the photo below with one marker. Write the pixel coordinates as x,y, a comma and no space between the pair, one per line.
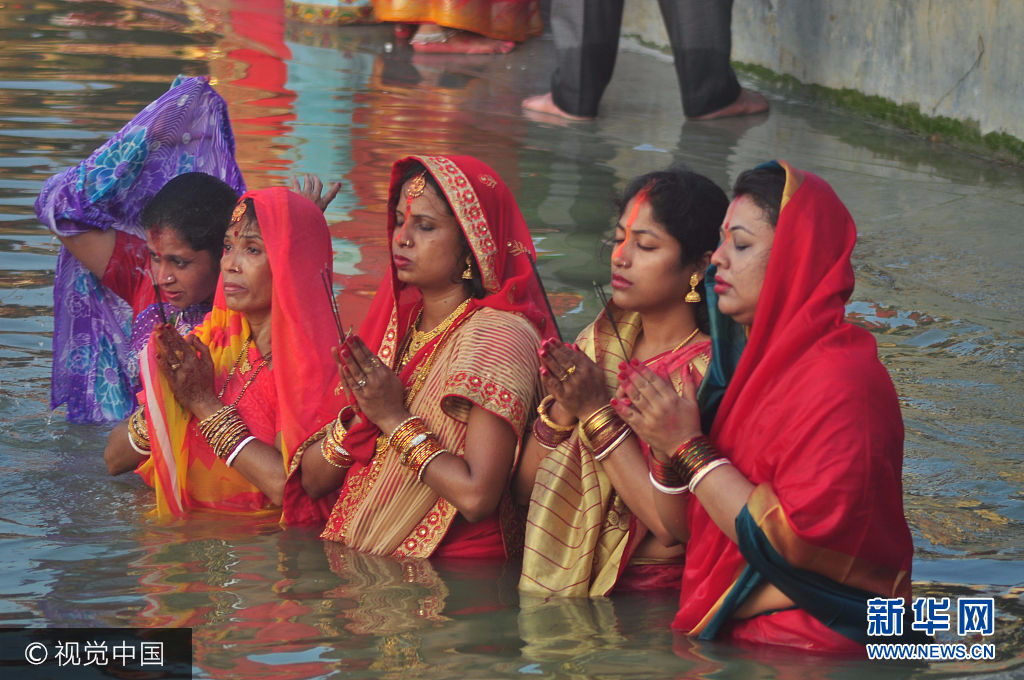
963,134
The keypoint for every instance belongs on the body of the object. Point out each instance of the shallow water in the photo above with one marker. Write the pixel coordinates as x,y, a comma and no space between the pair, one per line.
939,281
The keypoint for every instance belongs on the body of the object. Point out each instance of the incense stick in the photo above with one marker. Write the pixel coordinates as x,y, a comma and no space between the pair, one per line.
544,294
159,297
599,289
325,276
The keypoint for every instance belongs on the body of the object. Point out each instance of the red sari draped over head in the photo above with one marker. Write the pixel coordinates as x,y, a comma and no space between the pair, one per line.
811,418
487,358
277,403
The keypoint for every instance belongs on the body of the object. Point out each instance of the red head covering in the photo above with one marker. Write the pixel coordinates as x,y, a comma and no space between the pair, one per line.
302,329
810,416
502,247
497,234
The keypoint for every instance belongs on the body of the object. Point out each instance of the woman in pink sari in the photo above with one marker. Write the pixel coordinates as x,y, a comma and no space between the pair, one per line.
592,523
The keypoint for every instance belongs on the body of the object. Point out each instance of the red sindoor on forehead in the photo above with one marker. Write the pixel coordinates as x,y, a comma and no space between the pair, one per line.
638,200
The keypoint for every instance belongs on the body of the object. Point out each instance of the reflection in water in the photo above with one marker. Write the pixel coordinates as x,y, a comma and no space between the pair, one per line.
938,270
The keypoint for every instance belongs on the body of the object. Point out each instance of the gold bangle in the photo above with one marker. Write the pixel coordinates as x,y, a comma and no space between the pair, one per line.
428,461
343,461
543,412
138,433
401,427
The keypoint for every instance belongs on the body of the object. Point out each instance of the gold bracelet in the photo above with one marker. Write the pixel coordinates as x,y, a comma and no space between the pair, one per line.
428,461
543,412
138,434
401,428
224,430
337,456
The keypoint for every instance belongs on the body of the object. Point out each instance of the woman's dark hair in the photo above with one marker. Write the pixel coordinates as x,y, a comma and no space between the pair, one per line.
691,208
197,206
476,284
764,186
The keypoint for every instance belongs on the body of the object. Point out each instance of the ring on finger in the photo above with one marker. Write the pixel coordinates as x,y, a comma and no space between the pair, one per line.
361,383
374,362
568,373
175,367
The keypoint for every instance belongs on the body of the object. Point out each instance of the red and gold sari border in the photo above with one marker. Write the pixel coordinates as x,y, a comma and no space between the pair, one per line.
469,213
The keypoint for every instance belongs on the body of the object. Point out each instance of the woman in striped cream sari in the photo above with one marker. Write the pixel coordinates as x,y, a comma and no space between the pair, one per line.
592,524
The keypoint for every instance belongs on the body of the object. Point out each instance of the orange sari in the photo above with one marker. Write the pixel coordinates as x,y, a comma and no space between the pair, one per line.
500,19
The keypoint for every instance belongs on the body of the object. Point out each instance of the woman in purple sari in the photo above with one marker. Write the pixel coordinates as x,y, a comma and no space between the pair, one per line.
105,287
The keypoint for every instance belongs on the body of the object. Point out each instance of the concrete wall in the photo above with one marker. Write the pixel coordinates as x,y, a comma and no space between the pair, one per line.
962,59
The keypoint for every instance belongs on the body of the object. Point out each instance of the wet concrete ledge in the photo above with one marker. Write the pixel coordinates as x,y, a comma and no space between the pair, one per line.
952,71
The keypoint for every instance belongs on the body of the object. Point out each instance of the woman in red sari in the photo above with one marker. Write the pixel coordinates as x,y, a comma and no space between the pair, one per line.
592,523
795,511
224,409
443,374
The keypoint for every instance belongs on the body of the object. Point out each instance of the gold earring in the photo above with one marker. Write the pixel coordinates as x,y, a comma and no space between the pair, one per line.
468,274
693,295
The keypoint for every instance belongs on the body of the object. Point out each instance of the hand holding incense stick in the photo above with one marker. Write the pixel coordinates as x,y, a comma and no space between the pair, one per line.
343,337
599,289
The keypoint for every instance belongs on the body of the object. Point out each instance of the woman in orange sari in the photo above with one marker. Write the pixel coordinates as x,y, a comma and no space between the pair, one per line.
463,26
592,523
443,374
224,409
795,513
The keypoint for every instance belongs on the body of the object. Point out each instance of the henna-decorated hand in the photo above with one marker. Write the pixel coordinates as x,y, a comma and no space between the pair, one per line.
188,368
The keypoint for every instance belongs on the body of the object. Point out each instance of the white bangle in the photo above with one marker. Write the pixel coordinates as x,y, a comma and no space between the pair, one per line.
671,490
705,470
611,447
237,450
138,449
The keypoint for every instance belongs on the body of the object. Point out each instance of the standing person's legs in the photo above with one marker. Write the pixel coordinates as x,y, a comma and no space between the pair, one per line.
586,36
700,33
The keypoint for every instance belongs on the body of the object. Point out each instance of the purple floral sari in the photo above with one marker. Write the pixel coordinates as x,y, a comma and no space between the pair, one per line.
185,130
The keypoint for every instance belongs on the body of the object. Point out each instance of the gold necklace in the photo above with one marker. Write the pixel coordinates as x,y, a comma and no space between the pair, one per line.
678,347
418,339
689,337
245,367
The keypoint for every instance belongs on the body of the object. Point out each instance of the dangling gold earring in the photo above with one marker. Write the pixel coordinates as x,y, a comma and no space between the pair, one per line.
693,295
468,274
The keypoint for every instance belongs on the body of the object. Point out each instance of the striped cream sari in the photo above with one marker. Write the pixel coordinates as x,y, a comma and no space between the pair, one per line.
579,533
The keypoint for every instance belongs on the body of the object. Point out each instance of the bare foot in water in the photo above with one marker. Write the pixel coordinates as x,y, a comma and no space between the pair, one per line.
434,39
747,104
544,103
